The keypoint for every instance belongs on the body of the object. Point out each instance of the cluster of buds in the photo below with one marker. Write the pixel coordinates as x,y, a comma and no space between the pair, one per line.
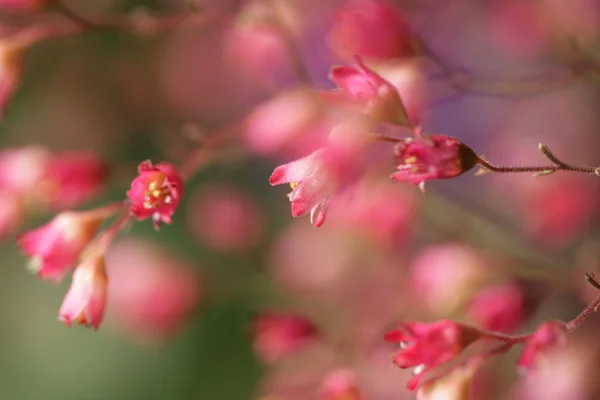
70,242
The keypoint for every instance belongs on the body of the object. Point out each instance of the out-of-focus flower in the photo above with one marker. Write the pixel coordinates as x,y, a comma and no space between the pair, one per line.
152,294
22,169
364,89
371,28
86,299
156,192
293,122
72,178
56,246
340,384
456,385
428,345
276,334
498,308
12,212
547,336
431,157
225,218
22,5
443,276
317,177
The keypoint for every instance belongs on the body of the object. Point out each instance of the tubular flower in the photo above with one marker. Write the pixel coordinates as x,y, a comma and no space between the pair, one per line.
86,299
276,335
431,157
314,179
548,335
156,192
426,346
56,246
361,87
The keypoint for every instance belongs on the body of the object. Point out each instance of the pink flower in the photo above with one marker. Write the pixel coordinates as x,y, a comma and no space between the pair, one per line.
72,178
86,299
156,192
498,308
340,384
547,336
431,157
364,89
153,294
316,178
56,246
373,29
428,345
276,335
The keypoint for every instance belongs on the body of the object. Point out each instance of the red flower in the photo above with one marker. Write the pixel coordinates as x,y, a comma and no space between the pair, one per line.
315,179
426,346
86,299
276,334
156,192
55,247
431,157
361,87
548,335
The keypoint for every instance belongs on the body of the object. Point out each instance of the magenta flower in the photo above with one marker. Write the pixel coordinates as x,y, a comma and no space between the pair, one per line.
549,335
86,299
56,246
156,192
276,334
315,179
428,345
361,87
431,157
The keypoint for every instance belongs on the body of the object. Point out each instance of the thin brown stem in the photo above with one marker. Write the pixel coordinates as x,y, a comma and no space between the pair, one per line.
585,314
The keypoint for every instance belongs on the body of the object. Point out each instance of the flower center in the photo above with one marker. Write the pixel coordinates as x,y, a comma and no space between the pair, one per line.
158,192
294,185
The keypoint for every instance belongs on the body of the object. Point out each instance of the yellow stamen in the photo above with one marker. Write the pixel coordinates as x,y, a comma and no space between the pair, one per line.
411,160
294,185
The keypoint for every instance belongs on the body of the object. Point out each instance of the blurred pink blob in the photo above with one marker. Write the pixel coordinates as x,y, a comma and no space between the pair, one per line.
498,308
22,5
371,28
444,276
151,293
340,384
12,212
277,334
548,337
293,122
224,218
520,28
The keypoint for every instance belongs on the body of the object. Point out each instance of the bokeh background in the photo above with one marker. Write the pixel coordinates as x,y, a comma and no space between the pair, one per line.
500,75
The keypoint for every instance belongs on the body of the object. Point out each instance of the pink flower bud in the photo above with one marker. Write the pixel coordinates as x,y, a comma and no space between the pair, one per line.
156,192
547,336
56,246
373,29
498,308
340,384
86,299
364,89
276,335
428,345
431,157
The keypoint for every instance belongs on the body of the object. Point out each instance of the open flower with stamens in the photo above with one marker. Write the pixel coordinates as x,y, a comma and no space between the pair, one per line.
156,192
363,88
428,345
55,247
315,178
427,157
86,299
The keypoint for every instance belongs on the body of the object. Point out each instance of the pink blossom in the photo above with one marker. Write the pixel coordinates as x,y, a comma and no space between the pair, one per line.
373,29
86,299
156,192
363,88
316,178
431,157
225,218
153,294
549,335
22,169
340,384
428,345
56,246
276,334
498,308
